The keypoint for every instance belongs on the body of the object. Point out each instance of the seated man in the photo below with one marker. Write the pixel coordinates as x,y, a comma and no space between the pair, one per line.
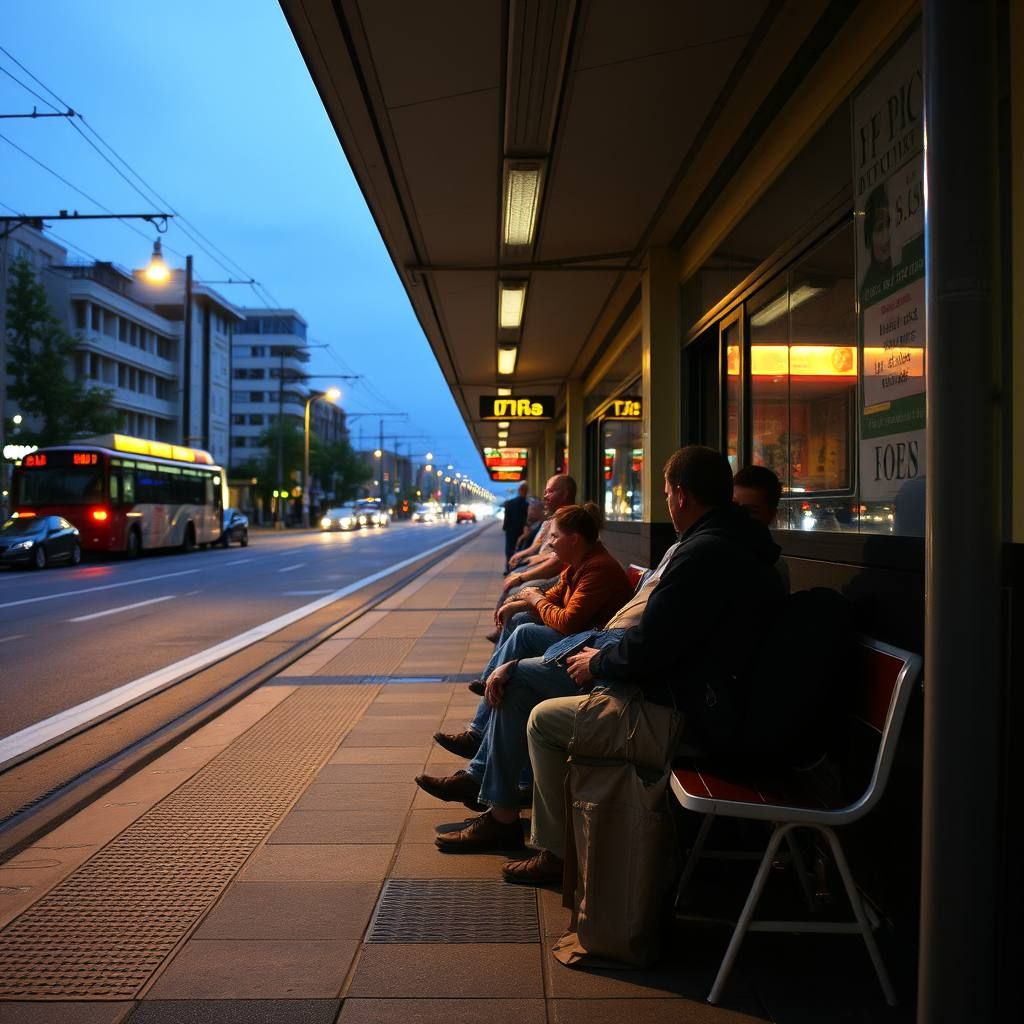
592,584
702,619
534,521
756,489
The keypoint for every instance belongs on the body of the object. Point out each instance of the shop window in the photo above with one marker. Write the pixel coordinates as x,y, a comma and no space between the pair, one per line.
732,353
619,435
704,406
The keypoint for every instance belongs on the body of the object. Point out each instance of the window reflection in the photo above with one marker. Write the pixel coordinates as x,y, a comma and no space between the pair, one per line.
622,465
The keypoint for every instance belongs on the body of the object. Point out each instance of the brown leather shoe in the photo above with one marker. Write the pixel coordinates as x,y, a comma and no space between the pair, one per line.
493,636
478,686
465,744
458,788
483,833
541,869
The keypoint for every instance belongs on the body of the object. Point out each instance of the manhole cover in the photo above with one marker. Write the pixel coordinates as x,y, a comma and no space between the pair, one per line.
454,910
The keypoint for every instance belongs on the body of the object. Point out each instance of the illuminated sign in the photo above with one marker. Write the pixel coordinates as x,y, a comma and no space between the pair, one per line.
506,465
35,460
796,360
624,409
16,452
84,458
498,407
159,449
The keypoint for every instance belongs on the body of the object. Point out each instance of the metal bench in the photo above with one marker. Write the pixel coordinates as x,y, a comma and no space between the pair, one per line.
879,702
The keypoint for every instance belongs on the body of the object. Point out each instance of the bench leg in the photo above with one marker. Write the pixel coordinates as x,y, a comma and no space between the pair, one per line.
694,856
800,867
858,912
748,912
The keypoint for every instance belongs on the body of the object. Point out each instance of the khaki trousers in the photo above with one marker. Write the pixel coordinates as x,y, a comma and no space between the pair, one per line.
548,733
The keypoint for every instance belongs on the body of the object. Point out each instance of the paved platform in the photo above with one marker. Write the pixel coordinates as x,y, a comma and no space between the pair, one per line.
279,866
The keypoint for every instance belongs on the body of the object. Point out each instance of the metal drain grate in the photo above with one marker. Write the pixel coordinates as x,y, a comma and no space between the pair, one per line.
102,932
454,910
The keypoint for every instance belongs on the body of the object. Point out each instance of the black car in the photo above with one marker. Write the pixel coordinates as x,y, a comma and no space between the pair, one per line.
235,527
38,541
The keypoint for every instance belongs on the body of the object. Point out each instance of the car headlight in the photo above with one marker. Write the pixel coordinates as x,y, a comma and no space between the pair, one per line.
345,521
22,545
326,522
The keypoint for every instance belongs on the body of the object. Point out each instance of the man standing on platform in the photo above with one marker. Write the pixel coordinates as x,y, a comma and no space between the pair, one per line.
515,520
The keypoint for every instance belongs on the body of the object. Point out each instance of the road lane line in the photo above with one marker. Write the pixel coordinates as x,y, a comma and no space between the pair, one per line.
292,568
15,636
122,608
240,561
93,590
303,593
42,734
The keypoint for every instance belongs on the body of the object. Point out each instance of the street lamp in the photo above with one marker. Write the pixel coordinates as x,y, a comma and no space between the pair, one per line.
330,395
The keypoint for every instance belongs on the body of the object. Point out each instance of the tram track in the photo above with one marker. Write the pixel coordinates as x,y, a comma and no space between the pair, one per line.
51,783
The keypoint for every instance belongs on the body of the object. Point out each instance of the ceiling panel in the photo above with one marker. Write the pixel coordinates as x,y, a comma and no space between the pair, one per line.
425,51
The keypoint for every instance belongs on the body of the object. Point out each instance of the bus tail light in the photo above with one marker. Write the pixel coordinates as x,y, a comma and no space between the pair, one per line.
101,515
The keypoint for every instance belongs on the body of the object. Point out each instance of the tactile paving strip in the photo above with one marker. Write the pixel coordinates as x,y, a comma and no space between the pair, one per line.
102,932
454,910
369,658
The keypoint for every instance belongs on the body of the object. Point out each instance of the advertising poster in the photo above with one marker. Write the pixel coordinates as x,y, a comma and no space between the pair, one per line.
888,178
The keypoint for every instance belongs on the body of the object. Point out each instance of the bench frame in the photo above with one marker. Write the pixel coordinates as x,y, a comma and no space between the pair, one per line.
788,819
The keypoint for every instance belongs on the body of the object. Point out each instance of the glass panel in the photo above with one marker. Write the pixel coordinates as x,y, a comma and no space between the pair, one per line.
622,470
733,392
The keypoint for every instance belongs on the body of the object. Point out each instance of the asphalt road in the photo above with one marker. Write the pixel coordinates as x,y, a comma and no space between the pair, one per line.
68,635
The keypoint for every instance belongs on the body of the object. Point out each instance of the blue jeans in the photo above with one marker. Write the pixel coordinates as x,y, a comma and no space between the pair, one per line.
503,754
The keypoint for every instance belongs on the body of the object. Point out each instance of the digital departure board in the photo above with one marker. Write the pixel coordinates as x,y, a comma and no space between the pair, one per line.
522,407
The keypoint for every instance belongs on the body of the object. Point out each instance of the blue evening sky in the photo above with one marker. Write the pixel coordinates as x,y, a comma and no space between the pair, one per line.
210,102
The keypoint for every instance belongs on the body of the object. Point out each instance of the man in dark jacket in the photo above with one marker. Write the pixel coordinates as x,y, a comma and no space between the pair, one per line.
701,626
515,519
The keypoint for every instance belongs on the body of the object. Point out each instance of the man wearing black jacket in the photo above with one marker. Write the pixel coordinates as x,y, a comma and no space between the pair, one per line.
700,628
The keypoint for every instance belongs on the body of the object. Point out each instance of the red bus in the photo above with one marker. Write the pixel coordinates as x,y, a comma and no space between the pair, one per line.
125,494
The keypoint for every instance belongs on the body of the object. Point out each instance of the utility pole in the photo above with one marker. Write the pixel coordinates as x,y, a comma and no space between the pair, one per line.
278,523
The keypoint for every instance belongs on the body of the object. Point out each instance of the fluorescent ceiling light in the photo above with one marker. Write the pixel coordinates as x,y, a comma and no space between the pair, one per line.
503,424
504,392
511,300
503,435
785,302
522,198
503,444
507,359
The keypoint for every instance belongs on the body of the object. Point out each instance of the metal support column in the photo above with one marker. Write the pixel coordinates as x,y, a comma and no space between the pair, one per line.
661,308
576,433
962,692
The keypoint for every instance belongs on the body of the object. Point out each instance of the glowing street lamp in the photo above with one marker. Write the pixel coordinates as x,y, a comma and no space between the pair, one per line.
330,395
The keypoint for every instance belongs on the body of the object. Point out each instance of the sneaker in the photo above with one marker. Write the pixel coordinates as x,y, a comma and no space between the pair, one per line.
541,869
458,788
483,833
465,744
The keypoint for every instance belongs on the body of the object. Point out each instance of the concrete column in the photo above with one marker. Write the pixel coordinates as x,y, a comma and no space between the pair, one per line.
548,449
661,309
575,429
964,702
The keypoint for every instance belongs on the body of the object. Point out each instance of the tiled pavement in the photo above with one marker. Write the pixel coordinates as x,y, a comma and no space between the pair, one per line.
286,939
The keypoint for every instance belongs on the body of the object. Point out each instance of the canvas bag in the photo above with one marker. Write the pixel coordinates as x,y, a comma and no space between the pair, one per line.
618,859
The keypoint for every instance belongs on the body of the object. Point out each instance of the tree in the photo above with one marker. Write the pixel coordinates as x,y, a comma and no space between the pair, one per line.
39,349
338,464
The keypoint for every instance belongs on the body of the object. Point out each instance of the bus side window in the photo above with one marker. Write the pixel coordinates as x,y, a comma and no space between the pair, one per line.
115,488
128,487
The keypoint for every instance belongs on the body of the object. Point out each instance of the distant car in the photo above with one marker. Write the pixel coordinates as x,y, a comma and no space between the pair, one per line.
38,541
465,515
344,517
423,514
235,528
371,514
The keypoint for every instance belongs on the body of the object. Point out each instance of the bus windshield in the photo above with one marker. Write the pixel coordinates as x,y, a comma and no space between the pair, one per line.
60,485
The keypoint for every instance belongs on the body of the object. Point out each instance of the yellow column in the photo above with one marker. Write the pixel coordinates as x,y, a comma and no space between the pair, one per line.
661,346
1016,296
575,431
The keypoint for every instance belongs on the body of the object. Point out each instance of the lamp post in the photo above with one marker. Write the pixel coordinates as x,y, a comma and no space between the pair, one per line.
331,395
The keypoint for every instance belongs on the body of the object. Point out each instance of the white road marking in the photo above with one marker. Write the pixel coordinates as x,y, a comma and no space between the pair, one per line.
303,593
292,568
42,734
93,590
240,561
123,608
15,636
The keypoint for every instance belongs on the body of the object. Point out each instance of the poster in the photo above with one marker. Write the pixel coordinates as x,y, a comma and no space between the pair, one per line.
888,178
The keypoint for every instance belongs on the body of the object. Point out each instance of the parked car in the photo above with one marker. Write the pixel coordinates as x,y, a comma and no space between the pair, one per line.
235,528
423,514
38,541
371,514
344,517
465,515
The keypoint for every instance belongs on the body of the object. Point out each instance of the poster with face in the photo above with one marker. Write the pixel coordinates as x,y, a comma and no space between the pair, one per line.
888,178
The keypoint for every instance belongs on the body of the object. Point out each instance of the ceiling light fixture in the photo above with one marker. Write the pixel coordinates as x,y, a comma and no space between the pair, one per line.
785,302
503,444
521,202
504,392
511,301
507,355
503,424
503,435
